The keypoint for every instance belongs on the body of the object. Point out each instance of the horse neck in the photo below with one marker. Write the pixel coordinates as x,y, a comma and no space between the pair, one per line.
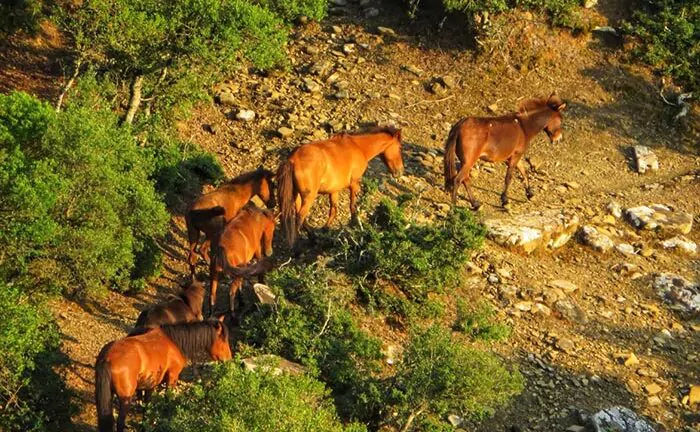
535,121
370,145
194,300
245,190
191,339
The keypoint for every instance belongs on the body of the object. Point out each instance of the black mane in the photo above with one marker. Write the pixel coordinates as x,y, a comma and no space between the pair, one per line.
251,176
391,130
194,338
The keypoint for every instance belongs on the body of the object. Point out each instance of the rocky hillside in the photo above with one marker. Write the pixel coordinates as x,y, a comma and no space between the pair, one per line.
597,275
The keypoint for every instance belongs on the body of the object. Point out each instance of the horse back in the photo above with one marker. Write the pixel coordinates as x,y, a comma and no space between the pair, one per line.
490,138
242,237
174,311
328,165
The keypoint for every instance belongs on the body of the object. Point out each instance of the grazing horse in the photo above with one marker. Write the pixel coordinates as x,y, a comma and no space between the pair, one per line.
329,166
183,308
498,139
247,236
149,357
210,212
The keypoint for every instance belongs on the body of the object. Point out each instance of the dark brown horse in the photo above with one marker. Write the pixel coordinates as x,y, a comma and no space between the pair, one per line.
498,139
247,236
143,361
329,166
183,308
210,212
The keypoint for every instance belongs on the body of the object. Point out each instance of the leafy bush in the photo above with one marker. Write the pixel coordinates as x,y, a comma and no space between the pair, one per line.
440,375
319,332
563,13
419,259
477,322
293,9
172,50
28,337
20,14
232,399
669,36
79,202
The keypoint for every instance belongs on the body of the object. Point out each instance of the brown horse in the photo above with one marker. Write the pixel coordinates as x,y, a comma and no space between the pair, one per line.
498,139
144,360
210,212
329,166
247,236
183,308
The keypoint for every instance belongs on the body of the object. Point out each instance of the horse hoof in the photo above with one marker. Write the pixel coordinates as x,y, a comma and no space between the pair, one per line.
476,205
529,194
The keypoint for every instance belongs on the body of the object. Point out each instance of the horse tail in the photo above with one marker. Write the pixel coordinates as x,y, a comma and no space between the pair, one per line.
285,197
103,394
450,162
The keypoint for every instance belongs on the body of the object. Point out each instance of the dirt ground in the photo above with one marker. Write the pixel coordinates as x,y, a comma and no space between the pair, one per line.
385,78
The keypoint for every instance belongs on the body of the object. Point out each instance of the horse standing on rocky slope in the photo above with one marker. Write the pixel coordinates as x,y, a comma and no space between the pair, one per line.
247,236
147,358
498,139
212,211
329,166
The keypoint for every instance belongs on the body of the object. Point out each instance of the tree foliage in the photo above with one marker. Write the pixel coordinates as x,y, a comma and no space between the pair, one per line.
668,32
78,203
232,399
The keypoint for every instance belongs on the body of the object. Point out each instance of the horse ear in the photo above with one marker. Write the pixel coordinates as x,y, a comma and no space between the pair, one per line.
561,107
397,134
220,320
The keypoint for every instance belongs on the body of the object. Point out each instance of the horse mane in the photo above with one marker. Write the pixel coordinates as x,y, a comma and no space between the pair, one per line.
251,176
391,130
194,338
530,106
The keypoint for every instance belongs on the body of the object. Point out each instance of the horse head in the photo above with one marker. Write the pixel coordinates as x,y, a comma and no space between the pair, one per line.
392,153
220,348
265,187
553,126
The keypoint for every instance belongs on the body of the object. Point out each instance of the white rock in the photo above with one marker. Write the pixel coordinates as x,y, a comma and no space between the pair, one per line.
659,217
619,419
615,209
548,229
564,285
678,291
625,249
646,159
590,236
245,115
270,363
681,244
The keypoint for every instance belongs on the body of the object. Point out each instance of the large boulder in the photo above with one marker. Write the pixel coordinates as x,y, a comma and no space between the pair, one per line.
658,217
645,159
592,237
547,229
619,419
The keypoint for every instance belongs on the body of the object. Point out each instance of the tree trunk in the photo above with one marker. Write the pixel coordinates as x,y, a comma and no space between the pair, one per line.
409,421
69,84
135,100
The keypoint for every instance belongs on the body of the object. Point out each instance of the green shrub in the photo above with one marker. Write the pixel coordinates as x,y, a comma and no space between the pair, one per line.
318,331
439,375
290,10
81,207
668,32
478,322
28,337
232,399
20,14
419,259
174,49
562,13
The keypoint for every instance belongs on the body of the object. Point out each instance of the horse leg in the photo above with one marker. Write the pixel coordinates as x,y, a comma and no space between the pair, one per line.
307,199
464,178
509,177
333,211
235,286
124,403
214,275
354,190
526,181
192,259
